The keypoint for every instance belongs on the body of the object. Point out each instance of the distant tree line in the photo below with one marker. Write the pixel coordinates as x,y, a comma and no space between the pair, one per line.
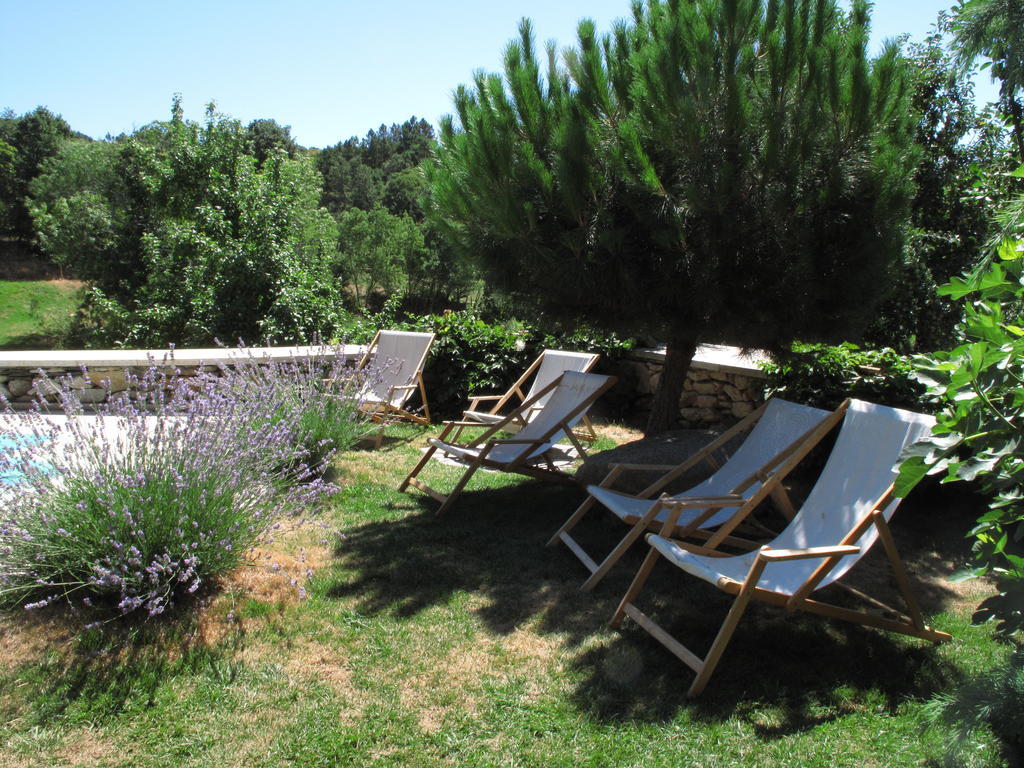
190,231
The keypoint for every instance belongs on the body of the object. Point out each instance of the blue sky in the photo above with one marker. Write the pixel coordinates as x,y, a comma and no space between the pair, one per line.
331,70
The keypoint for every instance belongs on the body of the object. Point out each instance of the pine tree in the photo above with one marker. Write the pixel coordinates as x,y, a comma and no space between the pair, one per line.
712,170
995,29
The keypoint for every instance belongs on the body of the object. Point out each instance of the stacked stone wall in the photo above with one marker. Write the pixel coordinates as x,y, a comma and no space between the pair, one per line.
712,395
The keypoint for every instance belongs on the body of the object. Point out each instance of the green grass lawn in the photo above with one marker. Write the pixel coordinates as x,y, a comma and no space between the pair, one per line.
35,313
463,641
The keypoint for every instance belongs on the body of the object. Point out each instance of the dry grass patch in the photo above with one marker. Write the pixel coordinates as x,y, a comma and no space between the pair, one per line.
26,637
82,748
452,685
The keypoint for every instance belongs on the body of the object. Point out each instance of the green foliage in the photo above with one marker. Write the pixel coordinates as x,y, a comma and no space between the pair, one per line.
995,29
824,376
380,169
470,356
950,213
268,136
992,700
25,143
980,386
186,237
474,355
378,252
374,186
729,171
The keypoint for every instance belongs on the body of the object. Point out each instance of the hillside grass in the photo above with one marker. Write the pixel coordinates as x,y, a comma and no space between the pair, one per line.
463,641
36,314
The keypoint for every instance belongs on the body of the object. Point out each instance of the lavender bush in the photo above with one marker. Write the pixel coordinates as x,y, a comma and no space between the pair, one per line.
160,492
316,397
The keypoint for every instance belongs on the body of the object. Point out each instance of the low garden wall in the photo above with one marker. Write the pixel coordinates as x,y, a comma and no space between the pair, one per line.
722,386
108,370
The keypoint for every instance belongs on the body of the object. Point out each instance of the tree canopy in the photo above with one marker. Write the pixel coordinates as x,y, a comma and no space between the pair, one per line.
712,170
185,236
995,29
25,143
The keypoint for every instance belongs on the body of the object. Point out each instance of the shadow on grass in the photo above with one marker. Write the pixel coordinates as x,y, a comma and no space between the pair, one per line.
107,672
804,669
31,341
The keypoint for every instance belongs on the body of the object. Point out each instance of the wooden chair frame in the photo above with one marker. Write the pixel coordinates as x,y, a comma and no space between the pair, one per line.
770,476
583,432
911,623
485,443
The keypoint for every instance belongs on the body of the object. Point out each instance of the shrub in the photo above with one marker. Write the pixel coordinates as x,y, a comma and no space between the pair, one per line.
978,437
185,236
316,397
993,700
470,356
823,376
159,493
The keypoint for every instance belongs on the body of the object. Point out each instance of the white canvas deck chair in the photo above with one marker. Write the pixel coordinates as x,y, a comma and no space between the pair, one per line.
530,451
399,357
549,365
847,511
781,433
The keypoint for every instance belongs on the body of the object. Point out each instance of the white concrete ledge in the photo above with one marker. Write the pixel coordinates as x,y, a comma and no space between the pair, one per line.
712,357
131,358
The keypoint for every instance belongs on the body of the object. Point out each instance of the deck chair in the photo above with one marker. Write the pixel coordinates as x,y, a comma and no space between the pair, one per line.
549,365
847,511
779,435
401,356
530,451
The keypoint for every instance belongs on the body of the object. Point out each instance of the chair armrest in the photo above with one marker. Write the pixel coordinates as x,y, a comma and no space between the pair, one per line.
641,467
726,500
473,399
772,555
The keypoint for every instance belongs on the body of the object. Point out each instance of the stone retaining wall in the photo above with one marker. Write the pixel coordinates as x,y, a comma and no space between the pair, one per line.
109,371
721,387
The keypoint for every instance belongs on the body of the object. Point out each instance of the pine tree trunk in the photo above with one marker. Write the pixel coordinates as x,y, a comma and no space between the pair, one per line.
665,408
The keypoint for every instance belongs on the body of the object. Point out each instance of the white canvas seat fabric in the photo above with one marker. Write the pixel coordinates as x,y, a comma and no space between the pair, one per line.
782,424
859,471
549,424
527,453
396,359
552,364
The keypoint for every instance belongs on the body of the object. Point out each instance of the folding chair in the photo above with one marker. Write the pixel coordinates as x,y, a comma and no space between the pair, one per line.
394,363
530,451
780,434
549,365
847,511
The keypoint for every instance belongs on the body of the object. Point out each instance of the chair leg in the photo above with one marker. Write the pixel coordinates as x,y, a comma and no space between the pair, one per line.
722,639
634,589
613,557
573,520
457,490
418,468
